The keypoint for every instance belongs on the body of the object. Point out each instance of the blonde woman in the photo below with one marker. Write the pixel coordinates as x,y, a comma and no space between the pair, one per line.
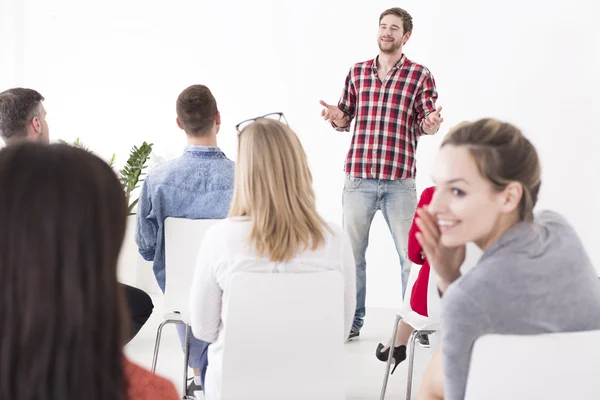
273,227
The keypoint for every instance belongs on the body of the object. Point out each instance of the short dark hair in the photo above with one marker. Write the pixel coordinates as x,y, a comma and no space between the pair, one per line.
407,24
17,107
63,320
196,110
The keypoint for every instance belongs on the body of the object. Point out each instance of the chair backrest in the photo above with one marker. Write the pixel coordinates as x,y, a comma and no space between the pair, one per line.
183,238
284,337
433,297
549,366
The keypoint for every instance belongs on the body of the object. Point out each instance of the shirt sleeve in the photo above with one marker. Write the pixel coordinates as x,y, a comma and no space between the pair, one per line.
349,284
347,103
463,322
425,99
146,229
206,296
414,248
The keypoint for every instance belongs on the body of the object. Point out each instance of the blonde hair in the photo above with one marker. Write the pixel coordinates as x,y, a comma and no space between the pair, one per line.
502,155
273,185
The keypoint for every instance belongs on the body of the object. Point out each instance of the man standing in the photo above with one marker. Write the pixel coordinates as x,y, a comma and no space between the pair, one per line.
197,185
23,118
392,102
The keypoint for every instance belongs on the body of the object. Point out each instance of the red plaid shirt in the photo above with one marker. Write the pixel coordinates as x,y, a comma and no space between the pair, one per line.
388,118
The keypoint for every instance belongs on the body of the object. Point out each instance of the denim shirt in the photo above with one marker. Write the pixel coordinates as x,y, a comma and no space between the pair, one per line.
197,185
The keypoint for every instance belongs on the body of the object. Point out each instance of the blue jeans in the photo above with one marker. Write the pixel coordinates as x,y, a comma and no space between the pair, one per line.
397,200
198,351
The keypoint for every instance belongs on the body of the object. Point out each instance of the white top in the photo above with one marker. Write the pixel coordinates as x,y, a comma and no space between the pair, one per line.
226,250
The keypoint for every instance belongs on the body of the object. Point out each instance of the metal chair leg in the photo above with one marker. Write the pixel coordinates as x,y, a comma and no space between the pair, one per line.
157,344
411,361
389,360
186,357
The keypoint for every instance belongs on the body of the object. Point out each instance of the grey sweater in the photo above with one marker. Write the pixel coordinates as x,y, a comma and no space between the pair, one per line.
536,278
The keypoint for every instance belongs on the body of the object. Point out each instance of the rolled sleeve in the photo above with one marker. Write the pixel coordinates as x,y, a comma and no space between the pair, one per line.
347,103
425,100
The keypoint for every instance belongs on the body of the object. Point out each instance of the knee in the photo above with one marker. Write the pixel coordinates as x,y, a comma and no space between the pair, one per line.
139,303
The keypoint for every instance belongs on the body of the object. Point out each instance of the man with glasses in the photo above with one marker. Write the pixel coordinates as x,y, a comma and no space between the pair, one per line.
392,102
197,185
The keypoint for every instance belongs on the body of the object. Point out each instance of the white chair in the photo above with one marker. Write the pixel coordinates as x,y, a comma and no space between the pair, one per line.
550,366
182,244
284,337
421,324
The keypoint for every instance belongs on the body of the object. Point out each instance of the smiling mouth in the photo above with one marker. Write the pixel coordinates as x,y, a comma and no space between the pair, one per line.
446,225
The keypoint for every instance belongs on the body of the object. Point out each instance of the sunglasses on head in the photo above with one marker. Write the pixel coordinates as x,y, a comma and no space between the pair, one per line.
277,116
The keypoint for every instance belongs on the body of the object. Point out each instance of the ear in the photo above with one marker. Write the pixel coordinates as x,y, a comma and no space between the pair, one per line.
405,38
511,197
179,123
36,124
218,118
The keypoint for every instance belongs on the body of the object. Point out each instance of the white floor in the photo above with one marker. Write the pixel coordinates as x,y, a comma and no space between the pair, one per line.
364,371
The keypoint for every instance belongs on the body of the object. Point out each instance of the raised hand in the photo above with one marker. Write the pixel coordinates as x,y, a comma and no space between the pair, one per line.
332,114
445,260
432,122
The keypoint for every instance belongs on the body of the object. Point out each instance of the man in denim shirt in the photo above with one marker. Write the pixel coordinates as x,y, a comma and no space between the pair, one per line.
197,185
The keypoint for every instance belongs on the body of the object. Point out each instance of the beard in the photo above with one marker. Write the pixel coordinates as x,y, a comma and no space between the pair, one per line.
389,47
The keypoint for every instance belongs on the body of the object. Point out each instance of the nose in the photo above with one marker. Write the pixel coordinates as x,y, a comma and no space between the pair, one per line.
385,31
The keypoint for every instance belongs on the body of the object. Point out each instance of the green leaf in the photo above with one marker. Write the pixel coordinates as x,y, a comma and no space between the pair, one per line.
132,171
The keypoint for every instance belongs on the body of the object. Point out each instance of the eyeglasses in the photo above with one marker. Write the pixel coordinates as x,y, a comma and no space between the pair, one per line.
277,116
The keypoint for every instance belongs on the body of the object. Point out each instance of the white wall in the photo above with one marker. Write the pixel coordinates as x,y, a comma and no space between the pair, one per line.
111,72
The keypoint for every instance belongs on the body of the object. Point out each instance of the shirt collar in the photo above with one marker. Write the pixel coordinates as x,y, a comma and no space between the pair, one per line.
192,148
397,66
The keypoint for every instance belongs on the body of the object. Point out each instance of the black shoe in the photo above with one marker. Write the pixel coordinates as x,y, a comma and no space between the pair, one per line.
423,340
398,355
192,388
353,335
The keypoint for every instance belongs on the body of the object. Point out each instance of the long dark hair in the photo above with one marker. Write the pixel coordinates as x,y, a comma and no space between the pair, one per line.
62,315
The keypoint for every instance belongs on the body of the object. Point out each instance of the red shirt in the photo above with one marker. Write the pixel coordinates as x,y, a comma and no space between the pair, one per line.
144,385
388,116
418,298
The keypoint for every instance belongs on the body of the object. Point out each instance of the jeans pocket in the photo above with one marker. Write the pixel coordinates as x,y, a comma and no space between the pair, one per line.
351,183
408,183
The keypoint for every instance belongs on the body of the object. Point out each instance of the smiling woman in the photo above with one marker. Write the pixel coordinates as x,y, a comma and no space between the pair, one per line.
487,177
492,182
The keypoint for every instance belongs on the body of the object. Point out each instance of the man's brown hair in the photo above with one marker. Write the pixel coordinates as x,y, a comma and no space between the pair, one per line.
407,24
196,110
17,107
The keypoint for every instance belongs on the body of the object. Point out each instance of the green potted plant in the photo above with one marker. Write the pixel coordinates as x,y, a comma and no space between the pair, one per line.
132,174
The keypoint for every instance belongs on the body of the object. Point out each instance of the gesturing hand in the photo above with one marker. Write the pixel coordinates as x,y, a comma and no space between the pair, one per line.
445,260
432,122
331,113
